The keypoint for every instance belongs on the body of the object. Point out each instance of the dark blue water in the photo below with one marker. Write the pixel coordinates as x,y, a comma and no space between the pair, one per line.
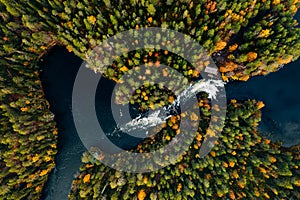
280,117
58,73
280,91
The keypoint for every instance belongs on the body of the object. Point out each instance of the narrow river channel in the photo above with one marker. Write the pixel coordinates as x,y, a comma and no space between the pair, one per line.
279,91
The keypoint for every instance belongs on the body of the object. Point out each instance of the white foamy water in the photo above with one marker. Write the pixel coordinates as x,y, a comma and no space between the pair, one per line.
160,116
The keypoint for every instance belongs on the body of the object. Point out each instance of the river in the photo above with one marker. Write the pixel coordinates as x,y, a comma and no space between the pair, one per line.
58,73
280,117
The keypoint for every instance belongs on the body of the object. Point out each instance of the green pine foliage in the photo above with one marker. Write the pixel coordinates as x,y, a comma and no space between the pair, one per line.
28,134
244,38
242,165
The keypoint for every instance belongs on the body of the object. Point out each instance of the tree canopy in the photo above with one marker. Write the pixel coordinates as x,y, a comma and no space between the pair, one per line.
244,38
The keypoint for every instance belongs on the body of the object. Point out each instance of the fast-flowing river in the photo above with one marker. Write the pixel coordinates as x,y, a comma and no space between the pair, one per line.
280,117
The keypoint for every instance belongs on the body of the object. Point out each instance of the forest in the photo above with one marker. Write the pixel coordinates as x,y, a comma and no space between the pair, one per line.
244,38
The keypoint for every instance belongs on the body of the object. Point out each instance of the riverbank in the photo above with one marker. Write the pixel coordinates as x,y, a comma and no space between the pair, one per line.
58,71
280,117
279,92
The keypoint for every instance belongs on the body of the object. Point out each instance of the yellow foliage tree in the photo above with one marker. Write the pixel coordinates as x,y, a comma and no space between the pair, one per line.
235,174
24,109
251,56
194,117
124,69
179,187
35,158
92,19
244,78
220,45
286,60
44,172
260,104
168,138
264,33
213,153
69,48
86,178
231,195
141,195
228,67
233,47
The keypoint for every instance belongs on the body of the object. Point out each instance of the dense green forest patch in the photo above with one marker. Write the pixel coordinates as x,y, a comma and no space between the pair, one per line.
243,164
245,39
